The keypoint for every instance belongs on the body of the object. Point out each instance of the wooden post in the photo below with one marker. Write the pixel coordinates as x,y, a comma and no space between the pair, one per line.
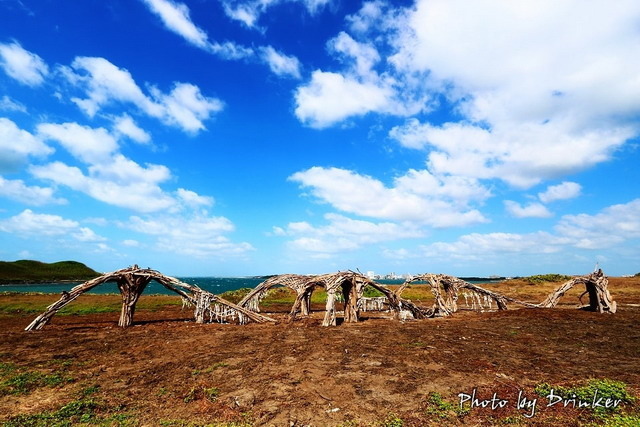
350,293
305,307
131,287
330,315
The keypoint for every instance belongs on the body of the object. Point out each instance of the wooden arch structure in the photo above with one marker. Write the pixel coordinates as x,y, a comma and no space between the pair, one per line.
596,285
133,280
348,284
447,289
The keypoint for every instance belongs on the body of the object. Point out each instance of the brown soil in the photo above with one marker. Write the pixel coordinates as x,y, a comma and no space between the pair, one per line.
168,370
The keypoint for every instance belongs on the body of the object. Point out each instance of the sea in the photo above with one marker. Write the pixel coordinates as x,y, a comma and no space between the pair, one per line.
215,285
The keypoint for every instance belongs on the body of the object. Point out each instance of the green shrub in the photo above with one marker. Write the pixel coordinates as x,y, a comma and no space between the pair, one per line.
541,278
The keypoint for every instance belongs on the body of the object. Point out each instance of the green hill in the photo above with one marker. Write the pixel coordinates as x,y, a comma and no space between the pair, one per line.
27,271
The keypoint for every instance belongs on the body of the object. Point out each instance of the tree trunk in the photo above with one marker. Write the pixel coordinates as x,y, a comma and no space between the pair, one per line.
131,287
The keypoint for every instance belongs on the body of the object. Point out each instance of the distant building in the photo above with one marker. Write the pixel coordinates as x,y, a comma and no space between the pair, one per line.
371,274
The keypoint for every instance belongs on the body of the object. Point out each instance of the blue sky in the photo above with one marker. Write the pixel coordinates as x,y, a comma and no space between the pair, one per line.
215,137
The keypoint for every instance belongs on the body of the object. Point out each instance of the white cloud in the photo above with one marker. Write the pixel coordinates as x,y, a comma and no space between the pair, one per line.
131,243
369,15
187,108
364,55
360,88
193,199
29,224
417,197
611,226
563,191
478,246
330,98
281,64
104,83
536,95
175,16
8,104
86,144
545,111
343,234
199,235
85,234
532,210
249,12
121,182
125,125
16,145
22,65
29,195
521,155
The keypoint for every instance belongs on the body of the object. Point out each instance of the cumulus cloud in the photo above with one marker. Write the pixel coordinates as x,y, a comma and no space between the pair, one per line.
186,107
612,226
22,65
8,104
545,111
193,199
281,64
125,125
85,143
249,12
369,15
119,182
331,97
563,191
176,17
199,235
477,246
560,101
532,210
30,224
416,197
522,155
16,189
104,83
131,243
17,145
343,234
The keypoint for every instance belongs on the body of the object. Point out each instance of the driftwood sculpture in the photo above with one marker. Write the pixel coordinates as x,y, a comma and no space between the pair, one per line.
349,284
347,287
597,286
446,290
133,280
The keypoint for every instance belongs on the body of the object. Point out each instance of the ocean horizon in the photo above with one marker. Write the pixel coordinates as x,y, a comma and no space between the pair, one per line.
215,285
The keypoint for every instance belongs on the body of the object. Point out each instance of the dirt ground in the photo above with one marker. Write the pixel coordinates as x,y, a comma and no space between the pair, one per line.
167,370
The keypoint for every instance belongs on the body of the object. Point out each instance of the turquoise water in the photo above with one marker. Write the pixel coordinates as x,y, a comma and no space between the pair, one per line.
216,285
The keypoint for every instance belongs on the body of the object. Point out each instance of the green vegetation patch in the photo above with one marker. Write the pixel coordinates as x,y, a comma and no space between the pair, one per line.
81,411
599,390
27,271
541,278
605,389
437,407
14,380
